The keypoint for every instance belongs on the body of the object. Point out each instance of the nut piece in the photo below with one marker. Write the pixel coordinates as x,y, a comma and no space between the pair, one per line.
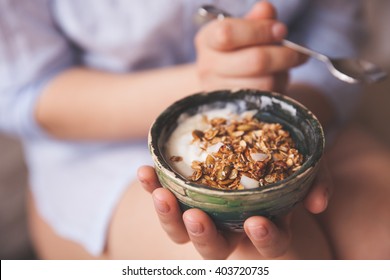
176,158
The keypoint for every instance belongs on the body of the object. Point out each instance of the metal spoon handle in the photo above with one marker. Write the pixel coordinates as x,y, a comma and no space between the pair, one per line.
304,50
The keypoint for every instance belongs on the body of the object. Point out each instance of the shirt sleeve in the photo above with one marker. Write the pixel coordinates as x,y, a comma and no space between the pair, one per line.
334,28
32,51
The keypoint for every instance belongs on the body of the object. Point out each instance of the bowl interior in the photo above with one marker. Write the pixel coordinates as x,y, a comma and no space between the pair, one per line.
303,126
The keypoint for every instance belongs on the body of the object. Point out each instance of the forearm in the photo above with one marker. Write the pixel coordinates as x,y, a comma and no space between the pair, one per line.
86,104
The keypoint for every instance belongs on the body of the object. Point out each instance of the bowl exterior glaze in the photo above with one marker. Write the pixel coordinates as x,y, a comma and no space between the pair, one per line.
229,209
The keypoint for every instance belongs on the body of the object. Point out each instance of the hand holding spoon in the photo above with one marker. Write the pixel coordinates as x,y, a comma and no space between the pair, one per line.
350,70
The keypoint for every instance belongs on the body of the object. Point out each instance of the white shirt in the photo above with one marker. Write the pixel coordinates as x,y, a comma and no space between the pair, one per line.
76,184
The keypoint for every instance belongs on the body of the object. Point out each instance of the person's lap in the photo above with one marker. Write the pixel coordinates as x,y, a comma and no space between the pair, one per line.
141,236
134,233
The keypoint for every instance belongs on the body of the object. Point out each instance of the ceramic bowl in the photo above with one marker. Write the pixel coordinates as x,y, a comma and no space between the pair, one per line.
229,209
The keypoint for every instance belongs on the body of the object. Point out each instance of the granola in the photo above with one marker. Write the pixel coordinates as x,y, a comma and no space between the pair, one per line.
242,153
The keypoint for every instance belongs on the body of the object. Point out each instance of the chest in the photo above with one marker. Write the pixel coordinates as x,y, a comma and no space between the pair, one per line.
126,35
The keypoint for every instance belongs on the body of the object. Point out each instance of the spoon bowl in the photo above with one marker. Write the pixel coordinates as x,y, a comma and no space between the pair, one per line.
350,70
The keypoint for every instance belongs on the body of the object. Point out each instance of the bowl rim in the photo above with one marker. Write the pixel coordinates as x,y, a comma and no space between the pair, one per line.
311,162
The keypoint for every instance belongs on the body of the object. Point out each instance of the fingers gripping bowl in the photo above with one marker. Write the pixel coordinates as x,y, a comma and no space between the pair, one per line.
230,208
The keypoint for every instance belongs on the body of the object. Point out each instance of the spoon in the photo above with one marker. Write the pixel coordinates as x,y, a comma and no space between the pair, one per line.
350,70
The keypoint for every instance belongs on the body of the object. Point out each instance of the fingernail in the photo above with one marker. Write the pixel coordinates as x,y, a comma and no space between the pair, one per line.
193,227
279,31
258,233
161,206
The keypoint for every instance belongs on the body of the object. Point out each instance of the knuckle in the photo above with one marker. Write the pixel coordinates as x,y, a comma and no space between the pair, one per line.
258,62
264,31
205,79
223,34
295,58
203,70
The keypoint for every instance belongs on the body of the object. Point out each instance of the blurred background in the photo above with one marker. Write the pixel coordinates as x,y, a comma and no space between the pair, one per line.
374,114
374,110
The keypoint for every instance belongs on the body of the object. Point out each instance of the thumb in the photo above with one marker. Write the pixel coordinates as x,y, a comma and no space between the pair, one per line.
262,10
270,240
148,178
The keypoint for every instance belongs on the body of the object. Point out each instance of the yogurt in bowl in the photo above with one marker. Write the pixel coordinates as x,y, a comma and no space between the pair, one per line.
226,150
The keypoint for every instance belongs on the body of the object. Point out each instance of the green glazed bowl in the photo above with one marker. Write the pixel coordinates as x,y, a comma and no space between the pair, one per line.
229,209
